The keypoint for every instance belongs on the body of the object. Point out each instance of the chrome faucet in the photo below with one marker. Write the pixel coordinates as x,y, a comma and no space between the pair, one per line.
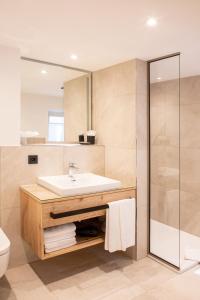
72,169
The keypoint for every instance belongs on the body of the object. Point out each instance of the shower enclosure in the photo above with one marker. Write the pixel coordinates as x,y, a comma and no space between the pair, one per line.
174,162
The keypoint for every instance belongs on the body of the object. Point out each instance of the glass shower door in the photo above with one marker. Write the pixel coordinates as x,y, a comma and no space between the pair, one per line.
164,168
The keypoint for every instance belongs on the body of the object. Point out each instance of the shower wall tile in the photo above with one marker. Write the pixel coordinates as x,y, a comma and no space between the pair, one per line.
158,128
157,98
190,166
190,212
172,124
190,90
190,125
157,163
165,152
165,205
166,140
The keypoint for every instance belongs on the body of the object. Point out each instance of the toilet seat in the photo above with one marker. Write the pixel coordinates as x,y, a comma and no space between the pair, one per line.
4,243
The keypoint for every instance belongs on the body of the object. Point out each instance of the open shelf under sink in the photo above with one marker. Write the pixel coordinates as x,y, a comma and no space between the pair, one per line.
81,244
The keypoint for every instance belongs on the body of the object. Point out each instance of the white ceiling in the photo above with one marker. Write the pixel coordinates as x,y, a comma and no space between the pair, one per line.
103,32
34,82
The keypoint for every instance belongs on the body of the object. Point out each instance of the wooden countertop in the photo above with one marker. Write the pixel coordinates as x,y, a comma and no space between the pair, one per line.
44,195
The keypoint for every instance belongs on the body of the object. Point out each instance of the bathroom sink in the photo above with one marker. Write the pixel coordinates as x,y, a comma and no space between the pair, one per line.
84,183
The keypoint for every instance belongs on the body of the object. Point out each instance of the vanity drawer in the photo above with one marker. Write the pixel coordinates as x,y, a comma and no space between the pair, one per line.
68,206
74,204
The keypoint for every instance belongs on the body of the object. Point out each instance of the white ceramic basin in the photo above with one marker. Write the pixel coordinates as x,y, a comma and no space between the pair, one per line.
85,183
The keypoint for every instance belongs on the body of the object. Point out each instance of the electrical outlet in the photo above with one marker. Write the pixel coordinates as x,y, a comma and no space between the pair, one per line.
32,159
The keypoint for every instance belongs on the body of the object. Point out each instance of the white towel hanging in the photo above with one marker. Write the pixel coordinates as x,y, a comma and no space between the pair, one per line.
120,225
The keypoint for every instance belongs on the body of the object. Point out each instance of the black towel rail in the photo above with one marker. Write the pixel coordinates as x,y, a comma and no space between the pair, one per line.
77,212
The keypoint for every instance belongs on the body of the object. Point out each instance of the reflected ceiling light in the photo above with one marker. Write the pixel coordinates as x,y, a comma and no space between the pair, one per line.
73,56
151,22
158,78
44,72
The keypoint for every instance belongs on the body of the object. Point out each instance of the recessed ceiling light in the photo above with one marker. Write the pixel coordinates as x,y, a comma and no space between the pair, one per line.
44,72
74,56
151,22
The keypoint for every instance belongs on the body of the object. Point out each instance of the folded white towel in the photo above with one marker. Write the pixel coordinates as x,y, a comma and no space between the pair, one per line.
58,247
59,237
62,243
25,134
120,225
58,230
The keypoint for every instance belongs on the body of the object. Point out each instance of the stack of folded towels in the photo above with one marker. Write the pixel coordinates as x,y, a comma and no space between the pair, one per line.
59,237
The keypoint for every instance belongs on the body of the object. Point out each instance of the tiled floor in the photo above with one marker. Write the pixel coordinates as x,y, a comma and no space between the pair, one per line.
94,274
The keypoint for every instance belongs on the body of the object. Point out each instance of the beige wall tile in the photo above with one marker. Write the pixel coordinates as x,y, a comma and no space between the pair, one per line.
114,94
190,90
141,77
115,122
116,80
20,252
75,108
114,91
15,171
87,158
190,175
142,231
165,205
142,159
190,125
190,212
172,124
120,118
103,84
120,163
190,190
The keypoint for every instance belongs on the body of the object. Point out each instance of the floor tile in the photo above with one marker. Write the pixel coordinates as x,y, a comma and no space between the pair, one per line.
6,292
94,275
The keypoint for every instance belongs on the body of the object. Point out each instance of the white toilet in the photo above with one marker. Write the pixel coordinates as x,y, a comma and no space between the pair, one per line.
4,252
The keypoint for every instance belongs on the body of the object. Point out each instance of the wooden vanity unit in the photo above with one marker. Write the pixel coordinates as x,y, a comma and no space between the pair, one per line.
41,208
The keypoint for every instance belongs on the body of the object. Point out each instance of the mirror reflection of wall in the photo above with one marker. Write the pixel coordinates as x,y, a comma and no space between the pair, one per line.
54,103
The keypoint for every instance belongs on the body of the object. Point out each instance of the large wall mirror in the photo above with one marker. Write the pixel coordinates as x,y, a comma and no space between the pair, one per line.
55,102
